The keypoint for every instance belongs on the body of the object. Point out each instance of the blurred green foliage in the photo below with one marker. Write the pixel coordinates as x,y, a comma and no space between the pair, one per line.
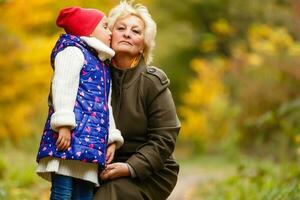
18,179
251,53
255,180
198,28
2,168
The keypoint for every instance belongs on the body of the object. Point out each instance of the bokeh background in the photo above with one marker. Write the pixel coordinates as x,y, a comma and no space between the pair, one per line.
235,76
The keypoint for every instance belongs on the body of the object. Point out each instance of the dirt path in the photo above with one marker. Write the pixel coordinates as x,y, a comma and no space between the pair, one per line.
185,186
190,177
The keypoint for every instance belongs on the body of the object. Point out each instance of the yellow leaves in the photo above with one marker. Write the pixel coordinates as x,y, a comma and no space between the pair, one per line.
31,13
208,43
281,38
220,30
205,102
12,120
298,153
23,95
297,141
21,15
254,59
222,27
258,32
270,40
294,50
263,73
208,77
3,132
25,79
206,112
36,53
194,125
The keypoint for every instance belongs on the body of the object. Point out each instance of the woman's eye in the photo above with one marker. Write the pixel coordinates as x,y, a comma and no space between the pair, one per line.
120,28
105,25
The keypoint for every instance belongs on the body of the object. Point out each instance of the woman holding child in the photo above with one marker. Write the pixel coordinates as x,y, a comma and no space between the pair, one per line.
144,112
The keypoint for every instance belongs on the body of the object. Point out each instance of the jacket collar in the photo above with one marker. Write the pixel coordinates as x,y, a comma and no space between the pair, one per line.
104,52
125,77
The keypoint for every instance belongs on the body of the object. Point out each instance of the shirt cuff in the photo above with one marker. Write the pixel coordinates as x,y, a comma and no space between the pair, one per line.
62,118
131,170
115,136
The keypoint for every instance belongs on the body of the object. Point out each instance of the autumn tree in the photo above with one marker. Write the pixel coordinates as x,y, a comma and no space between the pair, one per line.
28,34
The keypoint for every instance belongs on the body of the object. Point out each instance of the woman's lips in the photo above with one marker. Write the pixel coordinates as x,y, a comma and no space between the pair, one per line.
125,42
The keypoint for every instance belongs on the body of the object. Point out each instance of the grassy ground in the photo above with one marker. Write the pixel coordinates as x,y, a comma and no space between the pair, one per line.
202,177
18,180
255,180
244,178
251,179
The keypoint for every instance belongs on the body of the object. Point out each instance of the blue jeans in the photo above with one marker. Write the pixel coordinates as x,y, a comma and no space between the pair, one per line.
68,188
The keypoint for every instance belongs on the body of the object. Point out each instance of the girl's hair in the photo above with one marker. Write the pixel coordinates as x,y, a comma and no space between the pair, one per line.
126,8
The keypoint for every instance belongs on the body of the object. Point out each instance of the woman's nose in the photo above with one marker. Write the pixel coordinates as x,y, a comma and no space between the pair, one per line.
127,33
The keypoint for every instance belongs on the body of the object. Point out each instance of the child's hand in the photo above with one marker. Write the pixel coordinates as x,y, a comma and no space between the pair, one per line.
110,152
64,138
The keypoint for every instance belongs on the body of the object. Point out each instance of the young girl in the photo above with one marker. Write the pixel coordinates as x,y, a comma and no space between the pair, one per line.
80,125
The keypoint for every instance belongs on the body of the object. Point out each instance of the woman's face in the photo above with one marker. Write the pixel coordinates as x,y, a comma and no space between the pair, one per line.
128,35
102,32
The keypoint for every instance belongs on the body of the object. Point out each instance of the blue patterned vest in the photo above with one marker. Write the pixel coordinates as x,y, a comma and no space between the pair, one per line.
89,138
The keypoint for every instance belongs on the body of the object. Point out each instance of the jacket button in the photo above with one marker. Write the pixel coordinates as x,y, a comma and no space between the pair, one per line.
151,70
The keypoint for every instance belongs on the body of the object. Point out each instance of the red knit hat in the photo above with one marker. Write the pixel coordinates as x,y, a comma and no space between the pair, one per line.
79,21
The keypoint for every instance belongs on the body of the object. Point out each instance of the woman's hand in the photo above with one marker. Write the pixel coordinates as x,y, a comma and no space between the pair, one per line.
110,152
115,170
64,138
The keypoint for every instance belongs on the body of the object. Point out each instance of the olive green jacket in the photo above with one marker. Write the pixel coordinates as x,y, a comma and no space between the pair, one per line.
145,114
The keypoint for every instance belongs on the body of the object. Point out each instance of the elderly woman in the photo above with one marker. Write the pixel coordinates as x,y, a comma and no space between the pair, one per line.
144,111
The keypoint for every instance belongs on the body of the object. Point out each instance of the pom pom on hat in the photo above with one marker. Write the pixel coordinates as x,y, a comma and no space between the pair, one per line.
79,21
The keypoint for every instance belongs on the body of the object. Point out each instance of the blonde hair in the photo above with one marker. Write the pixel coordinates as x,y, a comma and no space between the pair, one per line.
126,8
